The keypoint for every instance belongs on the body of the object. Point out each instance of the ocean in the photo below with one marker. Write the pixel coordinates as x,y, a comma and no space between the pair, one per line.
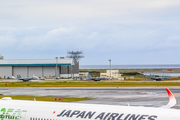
172,66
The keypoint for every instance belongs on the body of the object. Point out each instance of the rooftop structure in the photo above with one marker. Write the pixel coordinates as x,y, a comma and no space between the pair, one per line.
35,62
1,57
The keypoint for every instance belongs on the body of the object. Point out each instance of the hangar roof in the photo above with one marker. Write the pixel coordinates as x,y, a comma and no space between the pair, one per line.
35,62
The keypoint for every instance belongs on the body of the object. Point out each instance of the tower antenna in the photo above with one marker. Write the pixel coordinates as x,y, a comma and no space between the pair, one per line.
75,55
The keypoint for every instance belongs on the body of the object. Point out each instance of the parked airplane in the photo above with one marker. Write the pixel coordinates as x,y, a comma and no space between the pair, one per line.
13,77
157,78
27,79
35,110
96,78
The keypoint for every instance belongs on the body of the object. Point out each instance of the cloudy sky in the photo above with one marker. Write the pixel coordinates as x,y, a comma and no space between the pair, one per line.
125,31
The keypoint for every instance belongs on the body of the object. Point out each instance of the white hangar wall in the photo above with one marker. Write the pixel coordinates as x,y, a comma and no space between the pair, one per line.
35,70
48,71
39,67
5,71
19,70
29,71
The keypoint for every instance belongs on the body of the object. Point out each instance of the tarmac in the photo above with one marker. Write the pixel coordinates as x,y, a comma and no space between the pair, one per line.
133,96
62,80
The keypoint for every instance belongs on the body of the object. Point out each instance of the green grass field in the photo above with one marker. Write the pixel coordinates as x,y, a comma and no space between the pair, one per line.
46,98
89,84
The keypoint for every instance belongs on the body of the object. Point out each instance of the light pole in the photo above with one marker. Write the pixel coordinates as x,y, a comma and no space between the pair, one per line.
56,67
110,67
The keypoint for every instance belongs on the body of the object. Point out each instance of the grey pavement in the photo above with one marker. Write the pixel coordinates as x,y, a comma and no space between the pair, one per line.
67,80
134,96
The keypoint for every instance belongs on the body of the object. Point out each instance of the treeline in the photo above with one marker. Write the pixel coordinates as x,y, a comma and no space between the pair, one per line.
131,74
93,73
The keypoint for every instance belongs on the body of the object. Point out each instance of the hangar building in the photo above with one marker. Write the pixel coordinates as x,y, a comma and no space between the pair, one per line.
39,67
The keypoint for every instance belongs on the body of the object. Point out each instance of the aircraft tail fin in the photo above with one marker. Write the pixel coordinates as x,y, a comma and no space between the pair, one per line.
152,76
19,77
172,99
89,76
35,77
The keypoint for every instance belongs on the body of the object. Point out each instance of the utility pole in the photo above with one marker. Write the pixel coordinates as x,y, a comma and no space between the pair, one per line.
110,67
56,67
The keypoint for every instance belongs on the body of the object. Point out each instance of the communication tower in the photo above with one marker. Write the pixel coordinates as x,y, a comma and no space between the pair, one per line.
75,55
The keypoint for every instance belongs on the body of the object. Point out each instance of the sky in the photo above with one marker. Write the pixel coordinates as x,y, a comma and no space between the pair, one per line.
129,32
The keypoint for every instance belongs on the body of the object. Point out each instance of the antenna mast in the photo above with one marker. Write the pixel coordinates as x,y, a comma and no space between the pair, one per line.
75,55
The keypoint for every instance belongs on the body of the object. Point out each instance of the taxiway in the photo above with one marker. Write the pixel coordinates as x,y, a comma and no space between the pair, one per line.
133,96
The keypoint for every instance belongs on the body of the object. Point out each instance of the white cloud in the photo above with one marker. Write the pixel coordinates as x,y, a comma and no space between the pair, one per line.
7,41
96,26
60,30
49,10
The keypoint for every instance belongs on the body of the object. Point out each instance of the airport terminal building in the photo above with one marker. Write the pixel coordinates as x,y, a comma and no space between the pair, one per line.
47,68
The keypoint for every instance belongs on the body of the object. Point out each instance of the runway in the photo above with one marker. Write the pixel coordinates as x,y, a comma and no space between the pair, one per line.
67,80
134,96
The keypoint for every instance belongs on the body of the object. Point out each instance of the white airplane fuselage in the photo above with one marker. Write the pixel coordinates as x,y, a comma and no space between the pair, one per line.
35,110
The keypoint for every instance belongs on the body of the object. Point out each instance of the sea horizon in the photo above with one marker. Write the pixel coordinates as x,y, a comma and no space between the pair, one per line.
147,66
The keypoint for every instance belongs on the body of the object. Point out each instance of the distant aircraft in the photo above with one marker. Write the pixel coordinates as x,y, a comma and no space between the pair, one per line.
27,79
13,77
37,110
96,78
157,78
